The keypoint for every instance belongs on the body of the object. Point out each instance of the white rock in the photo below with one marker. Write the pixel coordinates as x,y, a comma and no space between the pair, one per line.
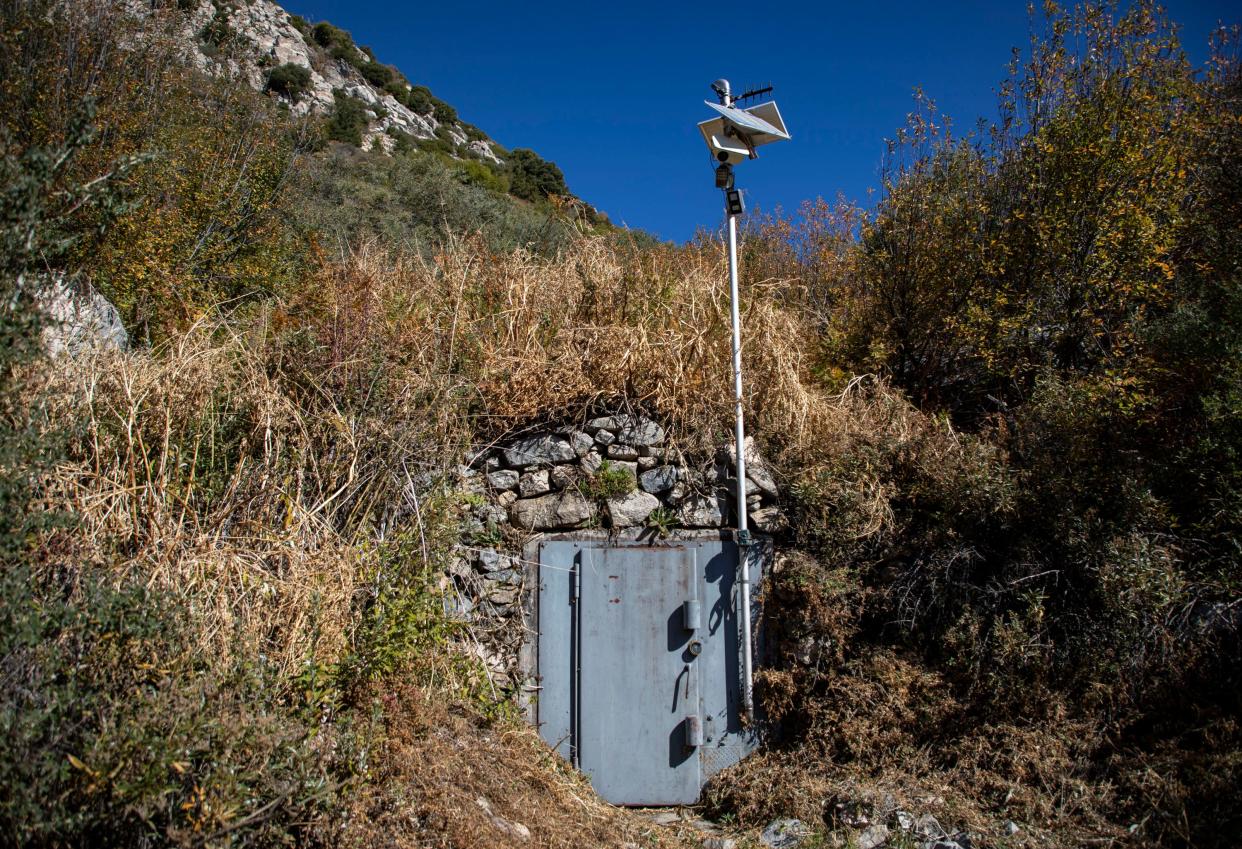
592,461
633,509
642,432
79,319
484,149
757,471
561,477
612,423
700,511
581,443
491,560
784,834
768,520
534,483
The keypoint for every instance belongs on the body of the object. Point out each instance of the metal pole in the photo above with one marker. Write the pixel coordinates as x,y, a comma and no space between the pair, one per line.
743,532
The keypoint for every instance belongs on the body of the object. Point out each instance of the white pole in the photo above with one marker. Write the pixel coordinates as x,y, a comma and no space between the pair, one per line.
743,533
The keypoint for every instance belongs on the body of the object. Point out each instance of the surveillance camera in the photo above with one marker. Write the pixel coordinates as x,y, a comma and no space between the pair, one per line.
722,156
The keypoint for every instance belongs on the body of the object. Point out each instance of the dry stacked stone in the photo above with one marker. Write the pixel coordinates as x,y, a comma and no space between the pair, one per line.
570,478
544,481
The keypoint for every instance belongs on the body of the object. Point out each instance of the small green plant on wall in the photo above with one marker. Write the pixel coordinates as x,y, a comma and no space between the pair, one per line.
662,520
610,481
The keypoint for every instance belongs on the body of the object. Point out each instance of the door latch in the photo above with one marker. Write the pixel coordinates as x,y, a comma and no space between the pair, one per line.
694,731
691,614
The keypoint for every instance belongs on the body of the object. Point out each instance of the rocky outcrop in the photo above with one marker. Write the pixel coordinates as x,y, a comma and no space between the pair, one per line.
78,319
268,38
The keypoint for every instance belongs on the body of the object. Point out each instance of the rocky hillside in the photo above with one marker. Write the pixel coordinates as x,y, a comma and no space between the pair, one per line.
310,68
316,71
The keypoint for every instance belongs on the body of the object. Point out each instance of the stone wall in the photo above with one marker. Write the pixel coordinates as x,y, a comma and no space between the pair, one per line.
617,474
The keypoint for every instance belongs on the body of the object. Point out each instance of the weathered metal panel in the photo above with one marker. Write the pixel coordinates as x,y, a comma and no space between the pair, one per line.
639,680
726,740
553,705
620,689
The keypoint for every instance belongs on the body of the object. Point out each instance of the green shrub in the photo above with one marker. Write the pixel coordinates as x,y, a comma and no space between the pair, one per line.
415,200
289,80
349,119
609,481
419,99
218,31
329,36
380,76
477,173
442,112
532,178
402,142
436,146
472,132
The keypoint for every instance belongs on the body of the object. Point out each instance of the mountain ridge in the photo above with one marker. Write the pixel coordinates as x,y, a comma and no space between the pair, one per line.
316,70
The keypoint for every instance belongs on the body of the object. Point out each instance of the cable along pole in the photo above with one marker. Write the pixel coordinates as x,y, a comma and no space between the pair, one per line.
732,138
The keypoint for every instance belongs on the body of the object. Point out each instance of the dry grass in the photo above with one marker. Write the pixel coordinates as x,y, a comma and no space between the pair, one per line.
448,781
257,467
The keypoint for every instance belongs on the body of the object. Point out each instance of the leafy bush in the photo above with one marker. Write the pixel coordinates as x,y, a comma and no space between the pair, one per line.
419,99
416,200
481,174
218,31
534,179
472,132
442,112
289,80
376,74
440,146
215,236
329,36
349,119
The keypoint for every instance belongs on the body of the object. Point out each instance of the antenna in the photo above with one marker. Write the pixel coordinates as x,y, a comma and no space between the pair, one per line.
732,137
752,93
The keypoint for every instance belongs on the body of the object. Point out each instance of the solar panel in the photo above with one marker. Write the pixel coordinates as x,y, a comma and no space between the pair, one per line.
748,122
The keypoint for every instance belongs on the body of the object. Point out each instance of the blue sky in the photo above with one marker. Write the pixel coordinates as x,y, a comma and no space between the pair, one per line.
611,92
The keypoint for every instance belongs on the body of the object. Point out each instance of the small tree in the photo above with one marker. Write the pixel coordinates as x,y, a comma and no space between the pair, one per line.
534,178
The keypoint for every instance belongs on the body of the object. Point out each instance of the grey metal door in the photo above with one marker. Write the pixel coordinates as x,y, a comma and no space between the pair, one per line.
622,693
638,680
